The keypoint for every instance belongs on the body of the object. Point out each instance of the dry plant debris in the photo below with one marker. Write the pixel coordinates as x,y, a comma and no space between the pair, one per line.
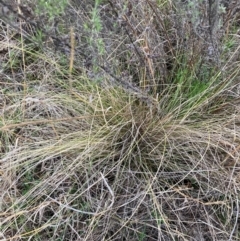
119,120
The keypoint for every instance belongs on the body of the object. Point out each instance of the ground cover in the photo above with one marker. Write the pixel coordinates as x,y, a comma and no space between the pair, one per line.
119,120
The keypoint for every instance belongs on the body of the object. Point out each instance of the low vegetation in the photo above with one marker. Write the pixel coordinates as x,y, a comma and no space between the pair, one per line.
119,120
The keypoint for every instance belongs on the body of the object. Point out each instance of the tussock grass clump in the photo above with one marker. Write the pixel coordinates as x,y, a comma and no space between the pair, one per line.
120,145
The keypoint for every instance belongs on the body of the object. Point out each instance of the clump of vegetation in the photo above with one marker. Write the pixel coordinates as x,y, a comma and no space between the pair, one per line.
120,121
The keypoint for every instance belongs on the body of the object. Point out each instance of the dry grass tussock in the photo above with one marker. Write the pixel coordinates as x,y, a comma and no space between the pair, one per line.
128,128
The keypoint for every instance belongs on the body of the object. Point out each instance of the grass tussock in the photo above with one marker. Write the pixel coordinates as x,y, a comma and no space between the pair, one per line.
120,121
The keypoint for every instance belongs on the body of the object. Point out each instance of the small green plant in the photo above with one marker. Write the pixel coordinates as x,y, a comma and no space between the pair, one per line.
28,182
142,235
186,85
94,28
53,8
14,59
38,38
